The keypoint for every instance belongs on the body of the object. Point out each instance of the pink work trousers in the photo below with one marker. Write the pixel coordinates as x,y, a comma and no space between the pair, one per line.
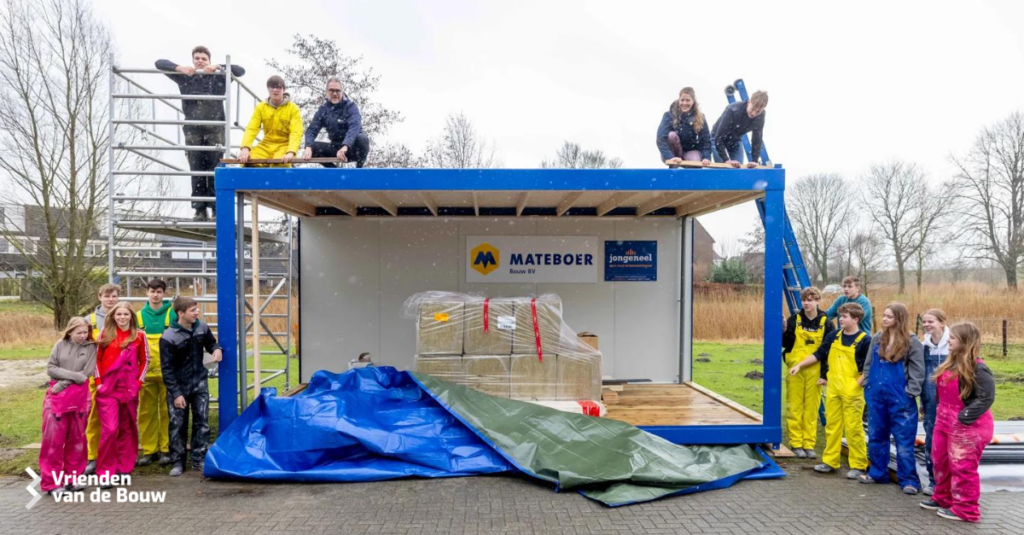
117,403
956,453
63,450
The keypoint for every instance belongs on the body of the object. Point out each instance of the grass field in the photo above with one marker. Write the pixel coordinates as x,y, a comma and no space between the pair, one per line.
728,364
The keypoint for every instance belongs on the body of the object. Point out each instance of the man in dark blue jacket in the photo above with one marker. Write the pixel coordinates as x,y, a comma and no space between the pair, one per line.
344,125
738,119
202,78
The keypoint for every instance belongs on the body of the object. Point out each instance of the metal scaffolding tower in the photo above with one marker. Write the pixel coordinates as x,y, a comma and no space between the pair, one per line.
189,263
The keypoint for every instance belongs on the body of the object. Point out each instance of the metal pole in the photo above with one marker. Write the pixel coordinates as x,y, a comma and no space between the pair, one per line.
1005,322
288,313
255,253
227,106
243,373
110,175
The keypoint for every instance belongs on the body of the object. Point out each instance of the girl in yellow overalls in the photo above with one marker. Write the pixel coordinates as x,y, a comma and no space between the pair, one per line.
842,354
804,332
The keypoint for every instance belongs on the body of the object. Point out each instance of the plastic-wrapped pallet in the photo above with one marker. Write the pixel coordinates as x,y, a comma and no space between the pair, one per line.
511,347
489,326
487,373
440,324
534,379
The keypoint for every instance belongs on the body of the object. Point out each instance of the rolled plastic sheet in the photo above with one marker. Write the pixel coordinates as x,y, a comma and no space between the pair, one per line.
373,424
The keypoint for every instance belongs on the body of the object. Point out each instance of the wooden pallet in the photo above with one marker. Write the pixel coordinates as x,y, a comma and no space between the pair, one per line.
677,405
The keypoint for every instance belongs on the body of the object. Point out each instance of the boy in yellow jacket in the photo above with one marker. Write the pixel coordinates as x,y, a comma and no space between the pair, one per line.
281,121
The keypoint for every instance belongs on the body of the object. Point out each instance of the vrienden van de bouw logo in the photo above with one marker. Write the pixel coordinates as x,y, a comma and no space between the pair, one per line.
485,258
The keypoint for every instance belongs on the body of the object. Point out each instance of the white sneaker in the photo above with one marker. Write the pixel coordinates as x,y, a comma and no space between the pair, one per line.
854,474
800,453
811,454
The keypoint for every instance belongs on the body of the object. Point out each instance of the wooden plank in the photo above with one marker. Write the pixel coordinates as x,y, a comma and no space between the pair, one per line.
614,201
384,202
725,401
428,200
524,197
674,405
663,200
732,201
335,200
568,201
287,204
264,161
714,201
476,204
714,165
296,390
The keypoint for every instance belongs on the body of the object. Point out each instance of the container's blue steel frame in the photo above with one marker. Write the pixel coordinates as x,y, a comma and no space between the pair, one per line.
232,181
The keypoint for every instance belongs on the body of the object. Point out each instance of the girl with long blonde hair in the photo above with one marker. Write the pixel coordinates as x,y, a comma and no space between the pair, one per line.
894,373
684,133
66,406
122,360
963,426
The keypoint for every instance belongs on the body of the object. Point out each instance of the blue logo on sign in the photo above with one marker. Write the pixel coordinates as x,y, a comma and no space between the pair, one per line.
630,261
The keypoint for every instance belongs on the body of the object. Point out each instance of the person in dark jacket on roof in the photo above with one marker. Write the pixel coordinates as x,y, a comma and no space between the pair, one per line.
684,133
340,117
202,78
737,120
182,348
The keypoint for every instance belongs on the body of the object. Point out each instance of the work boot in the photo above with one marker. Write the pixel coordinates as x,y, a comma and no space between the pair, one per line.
800,453
90,468
200,215
164,459
854,474
811,454
177,470
144,460
824,469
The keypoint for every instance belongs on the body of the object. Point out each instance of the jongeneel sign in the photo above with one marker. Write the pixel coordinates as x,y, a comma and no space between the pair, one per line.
531,259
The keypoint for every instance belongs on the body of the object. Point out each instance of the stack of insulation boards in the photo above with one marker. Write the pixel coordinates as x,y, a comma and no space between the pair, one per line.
518,348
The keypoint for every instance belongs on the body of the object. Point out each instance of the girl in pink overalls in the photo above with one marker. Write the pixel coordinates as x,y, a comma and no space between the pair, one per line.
66,407
963,426
121,364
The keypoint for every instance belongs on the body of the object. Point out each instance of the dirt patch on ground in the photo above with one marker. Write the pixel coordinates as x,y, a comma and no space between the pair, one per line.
22,373
755,375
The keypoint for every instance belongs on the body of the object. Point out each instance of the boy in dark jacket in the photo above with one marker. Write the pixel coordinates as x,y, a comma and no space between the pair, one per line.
202,78
340,116
181,349
737,120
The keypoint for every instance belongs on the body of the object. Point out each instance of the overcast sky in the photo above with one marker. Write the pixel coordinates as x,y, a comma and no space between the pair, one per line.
850,82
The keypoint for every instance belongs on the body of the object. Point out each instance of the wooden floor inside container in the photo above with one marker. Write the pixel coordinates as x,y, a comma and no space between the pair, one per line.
677,405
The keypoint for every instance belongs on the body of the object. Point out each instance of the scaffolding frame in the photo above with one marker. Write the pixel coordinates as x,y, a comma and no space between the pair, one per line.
254,319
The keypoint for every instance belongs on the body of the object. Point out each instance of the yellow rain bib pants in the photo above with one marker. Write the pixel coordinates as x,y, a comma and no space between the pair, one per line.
803,394
154,419
844,406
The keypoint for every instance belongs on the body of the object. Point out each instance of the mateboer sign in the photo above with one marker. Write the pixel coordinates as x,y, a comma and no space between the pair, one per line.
531,259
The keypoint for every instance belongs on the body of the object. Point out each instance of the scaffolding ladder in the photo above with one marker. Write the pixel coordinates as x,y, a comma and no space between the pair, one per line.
794,271
131,236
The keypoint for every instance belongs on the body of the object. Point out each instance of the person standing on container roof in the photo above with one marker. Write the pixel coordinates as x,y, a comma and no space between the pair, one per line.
340,117
737,120
281,121
202,78
684,133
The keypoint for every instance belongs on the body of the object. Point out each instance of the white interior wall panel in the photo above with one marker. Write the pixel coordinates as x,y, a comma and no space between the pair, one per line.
356,274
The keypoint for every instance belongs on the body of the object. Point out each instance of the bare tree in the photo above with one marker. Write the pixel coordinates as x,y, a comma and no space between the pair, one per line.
867,251
903,208
315,60
819,209
53,149
990,188
572,156
394,155
460,147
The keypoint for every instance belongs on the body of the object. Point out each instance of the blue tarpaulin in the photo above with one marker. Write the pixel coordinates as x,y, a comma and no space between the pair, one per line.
372,424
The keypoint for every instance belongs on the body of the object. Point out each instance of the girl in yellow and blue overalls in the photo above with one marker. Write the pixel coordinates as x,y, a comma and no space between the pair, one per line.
842,354
804,333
